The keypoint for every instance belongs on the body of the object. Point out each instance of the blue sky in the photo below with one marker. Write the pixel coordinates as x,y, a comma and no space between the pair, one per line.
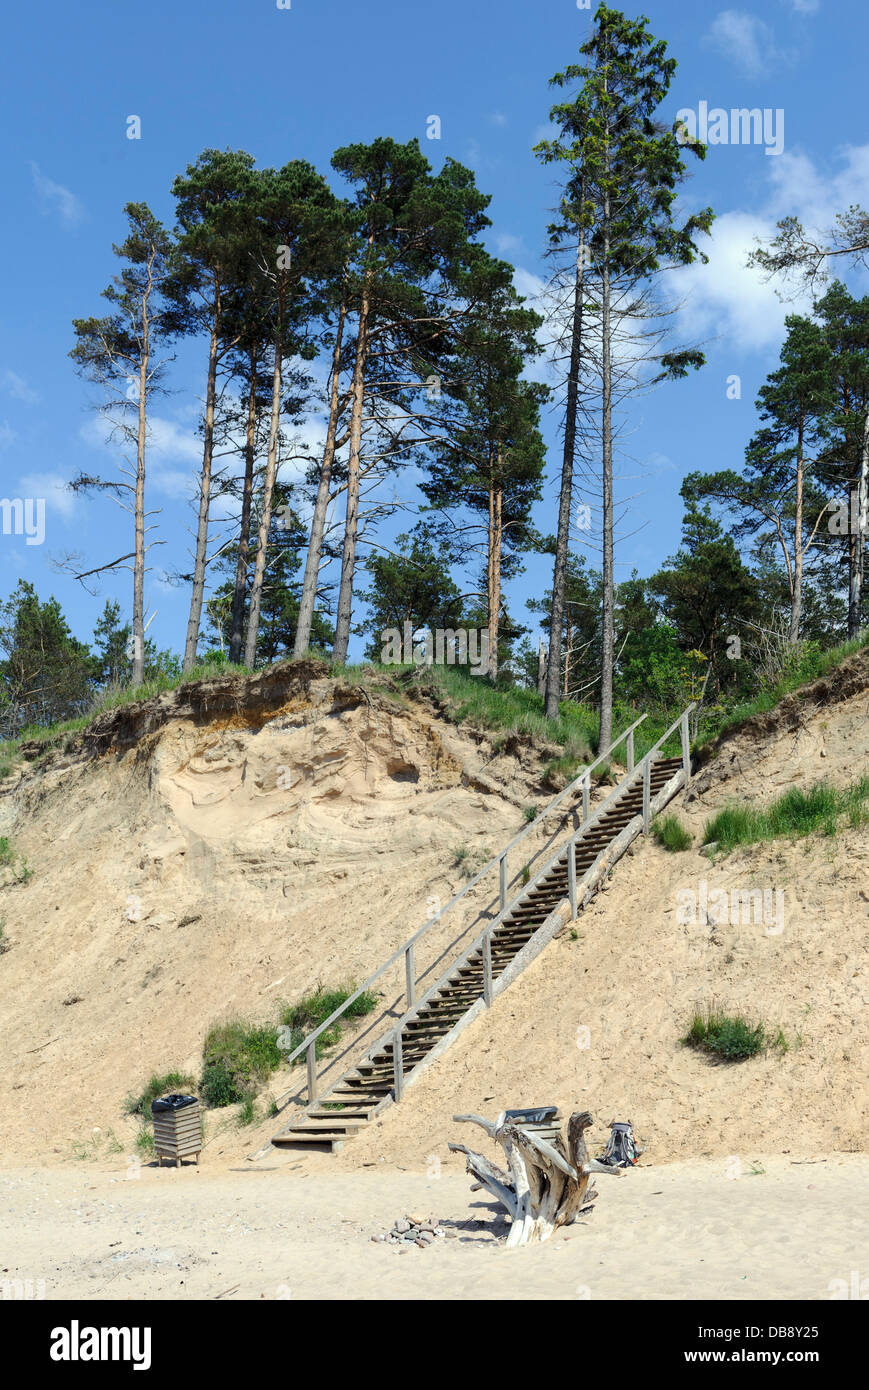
298,83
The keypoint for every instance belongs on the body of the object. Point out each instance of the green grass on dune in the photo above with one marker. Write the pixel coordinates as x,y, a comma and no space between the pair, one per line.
821,809
499,710
731,1037
809,665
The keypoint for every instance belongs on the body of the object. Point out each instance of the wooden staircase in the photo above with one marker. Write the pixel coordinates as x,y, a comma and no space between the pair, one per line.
505,947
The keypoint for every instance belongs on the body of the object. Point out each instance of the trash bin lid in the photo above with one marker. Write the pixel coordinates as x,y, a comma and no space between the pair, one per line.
173,1102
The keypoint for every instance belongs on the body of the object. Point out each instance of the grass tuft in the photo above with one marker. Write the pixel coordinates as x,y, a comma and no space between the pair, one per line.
303,1017
731,1037
671,834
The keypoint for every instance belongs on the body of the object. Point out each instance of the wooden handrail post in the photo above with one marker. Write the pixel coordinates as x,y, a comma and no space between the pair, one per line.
586,788
630,747
397,1065
311,1059
686,747
487,968
647,797
502,880
408,976
571,877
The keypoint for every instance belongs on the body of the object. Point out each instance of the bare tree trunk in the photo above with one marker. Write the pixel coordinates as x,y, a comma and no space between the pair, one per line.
265,520
608,607
556,614
568,637
855,596
797,594
238,599
318,521
138,662
198,593
541,669
348,558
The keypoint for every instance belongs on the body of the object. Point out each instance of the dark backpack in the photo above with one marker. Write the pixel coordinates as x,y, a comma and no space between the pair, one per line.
621,1151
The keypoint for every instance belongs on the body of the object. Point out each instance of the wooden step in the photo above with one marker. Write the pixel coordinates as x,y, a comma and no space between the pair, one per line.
331,1142
309,1125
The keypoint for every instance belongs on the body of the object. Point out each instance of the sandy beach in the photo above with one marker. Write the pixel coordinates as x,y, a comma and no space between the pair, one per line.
781,1229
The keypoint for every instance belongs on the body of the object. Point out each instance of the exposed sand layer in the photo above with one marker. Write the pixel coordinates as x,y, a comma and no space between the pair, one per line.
686,1231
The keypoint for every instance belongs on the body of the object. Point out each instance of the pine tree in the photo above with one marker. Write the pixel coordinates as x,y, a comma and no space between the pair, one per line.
118,352
412,229
844,461
623,174
214,200
301,231
778,495
491,456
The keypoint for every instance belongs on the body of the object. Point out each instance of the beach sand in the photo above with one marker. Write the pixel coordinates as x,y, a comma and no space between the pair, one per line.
782,1229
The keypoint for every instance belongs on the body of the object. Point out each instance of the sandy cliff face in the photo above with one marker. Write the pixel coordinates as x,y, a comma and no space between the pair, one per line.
239,842
211,853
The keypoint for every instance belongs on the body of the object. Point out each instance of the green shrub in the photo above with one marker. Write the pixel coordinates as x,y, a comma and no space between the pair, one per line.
671,833
237,1057
731,1037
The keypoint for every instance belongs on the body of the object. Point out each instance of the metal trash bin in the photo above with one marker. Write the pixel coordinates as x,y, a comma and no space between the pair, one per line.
177,1127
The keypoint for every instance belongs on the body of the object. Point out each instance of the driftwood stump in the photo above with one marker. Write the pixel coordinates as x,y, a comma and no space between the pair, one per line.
546,1185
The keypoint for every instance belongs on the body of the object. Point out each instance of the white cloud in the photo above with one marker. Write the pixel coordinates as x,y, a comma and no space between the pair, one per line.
16,386
55,489
54,197
806,6
743,38
725,298
167,440
529,285
507,244
498,118
7,435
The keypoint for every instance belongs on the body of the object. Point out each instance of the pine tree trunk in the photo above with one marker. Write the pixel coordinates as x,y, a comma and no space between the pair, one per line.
855,595
138,662
196,598
797,595
496,533
239,596
556,614
568,637
348,558
265,520
321,506
541,669
608,607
